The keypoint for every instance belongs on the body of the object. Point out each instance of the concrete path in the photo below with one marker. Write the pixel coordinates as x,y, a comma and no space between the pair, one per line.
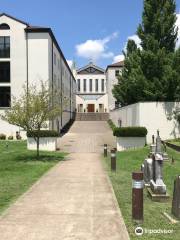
74,200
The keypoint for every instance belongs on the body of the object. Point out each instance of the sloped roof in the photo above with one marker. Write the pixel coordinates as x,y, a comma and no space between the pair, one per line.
117,64
88,66
16,19
36,29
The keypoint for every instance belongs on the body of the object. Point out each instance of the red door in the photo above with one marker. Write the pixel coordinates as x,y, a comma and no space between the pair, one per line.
90,107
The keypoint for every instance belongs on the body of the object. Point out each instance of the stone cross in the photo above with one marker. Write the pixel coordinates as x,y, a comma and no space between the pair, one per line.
176,198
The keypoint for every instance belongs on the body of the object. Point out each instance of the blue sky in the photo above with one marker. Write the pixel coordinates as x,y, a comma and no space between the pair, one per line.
96,29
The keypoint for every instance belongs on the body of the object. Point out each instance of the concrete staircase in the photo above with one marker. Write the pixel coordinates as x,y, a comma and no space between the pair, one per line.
92,116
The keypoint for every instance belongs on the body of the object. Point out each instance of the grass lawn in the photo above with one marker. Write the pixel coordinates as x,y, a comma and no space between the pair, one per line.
19,169
129,161
175,141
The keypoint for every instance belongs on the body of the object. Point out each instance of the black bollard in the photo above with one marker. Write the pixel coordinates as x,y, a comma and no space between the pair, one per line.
105,150
113,159
137,196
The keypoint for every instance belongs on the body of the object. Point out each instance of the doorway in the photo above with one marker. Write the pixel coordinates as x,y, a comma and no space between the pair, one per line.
90,107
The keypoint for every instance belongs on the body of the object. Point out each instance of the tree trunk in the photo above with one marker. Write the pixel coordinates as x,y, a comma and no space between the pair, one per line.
37,147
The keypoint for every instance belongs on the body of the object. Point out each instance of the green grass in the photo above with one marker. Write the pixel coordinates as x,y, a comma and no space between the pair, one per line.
19,169
129,161
175,141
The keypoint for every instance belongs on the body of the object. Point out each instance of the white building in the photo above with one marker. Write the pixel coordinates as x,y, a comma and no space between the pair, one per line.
112,73
28,55
91,90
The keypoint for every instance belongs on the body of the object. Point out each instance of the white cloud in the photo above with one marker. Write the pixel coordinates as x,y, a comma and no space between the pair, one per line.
70,62
96,49
136,39
118,58
178,25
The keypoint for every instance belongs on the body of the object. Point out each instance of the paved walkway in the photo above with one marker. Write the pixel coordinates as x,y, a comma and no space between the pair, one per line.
74,200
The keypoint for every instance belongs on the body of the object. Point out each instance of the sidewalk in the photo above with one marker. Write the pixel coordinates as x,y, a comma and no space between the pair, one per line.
73,201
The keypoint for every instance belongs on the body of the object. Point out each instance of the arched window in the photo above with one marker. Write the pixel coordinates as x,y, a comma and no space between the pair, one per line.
4,26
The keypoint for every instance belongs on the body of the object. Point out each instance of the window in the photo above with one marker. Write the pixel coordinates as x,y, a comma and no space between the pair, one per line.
4,26
96,85
102,85
5,97
84,86
78,85
4,47
4,72
117,73
54,59
90,85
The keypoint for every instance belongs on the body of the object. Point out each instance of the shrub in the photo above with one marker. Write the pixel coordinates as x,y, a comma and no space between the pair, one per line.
130,132
111,124
2,136
10,138
43,133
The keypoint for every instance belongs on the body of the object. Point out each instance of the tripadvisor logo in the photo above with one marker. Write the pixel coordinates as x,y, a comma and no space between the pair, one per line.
139,231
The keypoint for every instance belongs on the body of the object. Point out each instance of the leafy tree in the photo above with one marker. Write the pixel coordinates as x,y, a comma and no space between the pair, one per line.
33,109
158,29
152,73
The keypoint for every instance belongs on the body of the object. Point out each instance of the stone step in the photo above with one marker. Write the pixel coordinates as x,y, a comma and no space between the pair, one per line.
92,116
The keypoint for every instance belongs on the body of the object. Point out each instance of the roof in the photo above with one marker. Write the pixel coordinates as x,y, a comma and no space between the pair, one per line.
117,64
16,19
37,29
91,65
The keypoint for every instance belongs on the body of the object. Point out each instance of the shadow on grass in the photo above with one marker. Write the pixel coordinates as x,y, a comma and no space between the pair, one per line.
44,157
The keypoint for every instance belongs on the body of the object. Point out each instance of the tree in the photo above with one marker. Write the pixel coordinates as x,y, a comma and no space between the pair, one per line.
131,83
33,109
158,29
152,73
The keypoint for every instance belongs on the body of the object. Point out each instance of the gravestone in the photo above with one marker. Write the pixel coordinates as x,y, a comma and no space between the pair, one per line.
147,169
157,188
176,198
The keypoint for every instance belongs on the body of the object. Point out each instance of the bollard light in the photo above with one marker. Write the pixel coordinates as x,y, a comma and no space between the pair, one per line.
105,150
137,196
113,160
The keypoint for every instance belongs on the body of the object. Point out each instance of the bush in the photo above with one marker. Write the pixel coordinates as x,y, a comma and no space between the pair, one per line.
2,136
10,138
111,124
130,132
43,133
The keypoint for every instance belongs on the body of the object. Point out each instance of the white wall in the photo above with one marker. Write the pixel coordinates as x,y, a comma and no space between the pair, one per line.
111,81
152,115
39,67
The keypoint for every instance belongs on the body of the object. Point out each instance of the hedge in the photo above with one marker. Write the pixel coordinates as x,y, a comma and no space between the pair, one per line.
2,136
43,133
130,132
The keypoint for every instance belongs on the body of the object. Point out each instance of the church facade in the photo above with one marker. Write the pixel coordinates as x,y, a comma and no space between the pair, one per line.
91,90
94,88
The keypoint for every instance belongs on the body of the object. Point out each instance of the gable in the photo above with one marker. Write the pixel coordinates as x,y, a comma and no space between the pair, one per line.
90,70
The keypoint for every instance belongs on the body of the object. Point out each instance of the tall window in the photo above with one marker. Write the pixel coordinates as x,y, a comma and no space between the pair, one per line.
5,97
84,85
90,85
4,72
102,85
4,47
96,87
78,85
